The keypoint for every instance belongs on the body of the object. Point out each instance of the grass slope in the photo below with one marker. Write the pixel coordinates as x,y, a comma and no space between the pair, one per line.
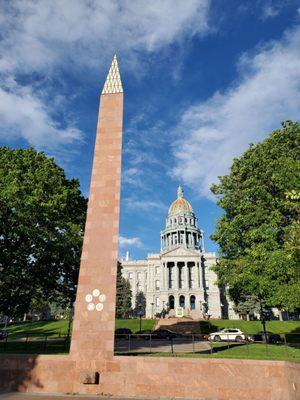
134,324
38,329
249,327
56,328
60,328
255,351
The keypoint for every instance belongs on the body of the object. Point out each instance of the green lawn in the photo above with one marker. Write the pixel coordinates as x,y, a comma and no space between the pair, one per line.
56,328
37,337
255,351
134,324
60,328
38,329
249,327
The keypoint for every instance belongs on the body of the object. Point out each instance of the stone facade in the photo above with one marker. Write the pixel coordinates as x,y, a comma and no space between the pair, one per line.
179,279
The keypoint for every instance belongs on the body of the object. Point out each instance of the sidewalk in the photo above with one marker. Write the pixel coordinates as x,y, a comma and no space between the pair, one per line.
31,396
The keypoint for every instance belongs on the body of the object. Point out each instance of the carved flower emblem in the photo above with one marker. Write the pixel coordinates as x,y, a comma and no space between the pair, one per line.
95,300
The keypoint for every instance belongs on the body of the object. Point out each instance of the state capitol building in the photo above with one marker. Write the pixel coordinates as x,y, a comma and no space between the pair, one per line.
178,280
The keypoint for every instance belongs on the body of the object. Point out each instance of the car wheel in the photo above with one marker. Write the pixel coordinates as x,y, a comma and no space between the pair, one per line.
238,339
217,338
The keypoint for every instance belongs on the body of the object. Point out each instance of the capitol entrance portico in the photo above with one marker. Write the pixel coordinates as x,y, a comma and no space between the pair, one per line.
182,283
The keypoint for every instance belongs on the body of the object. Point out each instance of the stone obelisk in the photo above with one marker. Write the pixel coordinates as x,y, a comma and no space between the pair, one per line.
94,319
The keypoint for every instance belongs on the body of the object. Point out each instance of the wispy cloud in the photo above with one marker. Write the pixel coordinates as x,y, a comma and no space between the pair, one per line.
141,205
213,132
271,9
125,242
42,39
132,176
24,114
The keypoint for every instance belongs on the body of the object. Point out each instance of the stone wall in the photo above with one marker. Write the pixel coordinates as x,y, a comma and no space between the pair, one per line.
154,377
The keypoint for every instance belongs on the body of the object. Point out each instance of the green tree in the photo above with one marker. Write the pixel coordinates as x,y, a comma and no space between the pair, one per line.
123,296
248,306
140,304
42,216
258,232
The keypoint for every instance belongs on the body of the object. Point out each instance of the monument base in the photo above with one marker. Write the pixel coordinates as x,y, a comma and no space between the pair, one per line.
153,377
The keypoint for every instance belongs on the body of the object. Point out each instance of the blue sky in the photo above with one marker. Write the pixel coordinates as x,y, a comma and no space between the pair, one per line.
202,79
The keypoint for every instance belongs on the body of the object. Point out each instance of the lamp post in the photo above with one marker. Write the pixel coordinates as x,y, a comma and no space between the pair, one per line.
222,310
152,304
70,319
262,317
140,315
163,310
204,309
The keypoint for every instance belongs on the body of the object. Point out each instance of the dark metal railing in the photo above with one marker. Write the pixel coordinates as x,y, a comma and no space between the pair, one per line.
31,342
286,346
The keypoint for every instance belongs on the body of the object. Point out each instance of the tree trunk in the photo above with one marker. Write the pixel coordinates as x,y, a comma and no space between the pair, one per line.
280,315
24,317
248,317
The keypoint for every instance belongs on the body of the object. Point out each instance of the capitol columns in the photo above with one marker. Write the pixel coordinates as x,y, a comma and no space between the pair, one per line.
187,278
198,274
176,275
166,275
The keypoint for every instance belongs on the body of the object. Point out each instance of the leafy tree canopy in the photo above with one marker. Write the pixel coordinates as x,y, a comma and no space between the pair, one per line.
259,232
42,216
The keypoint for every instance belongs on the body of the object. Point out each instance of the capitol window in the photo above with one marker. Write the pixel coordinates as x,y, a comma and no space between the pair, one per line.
157,285
139,275
130,275
206,284
157,301
157,270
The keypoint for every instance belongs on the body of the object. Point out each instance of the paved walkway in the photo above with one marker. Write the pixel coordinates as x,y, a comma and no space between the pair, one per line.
178,345
30,396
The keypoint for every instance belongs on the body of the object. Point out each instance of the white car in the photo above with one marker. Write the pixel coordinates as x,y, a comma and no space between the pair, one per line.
227,334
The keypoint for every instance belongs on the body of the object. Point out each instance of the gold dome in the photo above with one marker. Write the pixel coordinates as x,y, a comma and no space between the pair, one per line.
180,204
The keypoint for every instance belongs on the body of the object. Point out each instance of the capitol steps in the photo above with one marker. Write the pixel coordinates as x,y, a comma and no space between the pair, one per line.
184,325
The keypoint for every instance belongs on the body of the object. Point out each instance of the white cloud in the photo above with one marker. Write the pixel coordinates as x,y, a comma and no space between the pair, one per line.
130,242
219,129
132,176
47,33
23,114
135,204
45,38
270,10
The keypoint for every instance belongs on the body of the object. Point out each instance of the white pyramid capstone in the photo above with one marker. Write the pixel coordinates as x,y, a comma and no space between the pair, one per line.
113,82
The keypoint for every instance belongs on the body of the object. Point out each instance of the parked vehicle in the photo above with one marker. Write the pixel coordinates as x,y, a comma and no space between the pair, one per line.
227,334
162,334
3,334
122,333
269,337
